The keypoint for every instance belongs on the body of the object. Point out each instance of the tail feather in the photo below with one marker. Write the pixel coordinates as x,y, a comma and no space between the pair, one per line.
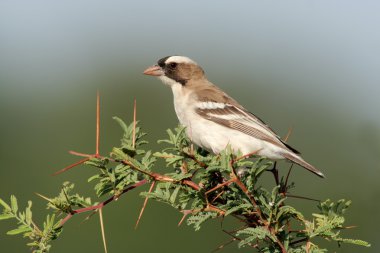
298,160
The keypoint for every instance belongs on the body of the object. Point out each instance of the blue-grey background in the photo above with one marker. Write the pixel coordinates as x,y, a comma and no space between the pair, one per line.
311,65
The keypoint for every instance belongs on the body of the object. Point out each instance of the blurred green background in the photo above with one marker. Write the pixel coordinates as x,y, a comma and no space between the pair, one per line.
313,65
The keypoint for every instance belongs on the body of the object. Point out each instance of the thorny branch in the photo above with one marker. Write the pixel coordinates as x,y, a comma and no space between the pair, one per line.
102,204
253,219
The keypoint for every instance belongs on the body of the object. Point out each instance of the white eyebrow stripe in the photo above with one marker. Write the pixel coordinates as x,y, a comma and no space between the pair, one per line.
180,59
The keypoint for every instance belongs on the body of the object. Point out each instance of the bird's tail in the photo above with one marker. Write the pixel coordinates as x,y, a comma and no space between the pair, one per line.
298,160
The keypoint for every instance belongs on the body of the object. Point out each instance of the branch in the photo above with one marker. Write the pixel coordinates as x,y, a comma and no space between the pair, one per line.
102,204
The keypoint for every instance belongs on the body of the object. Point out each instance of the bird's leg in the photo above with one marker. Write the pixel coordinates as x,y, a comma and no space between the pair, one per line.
274,171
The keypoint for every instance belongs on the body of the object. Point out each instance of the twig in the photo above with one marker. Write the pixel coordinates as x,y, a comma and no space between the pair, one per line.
279,243
299,241
160,177
251,198
192,156
102,204
212,208
144,205
102,229
221,185
192,184
245,190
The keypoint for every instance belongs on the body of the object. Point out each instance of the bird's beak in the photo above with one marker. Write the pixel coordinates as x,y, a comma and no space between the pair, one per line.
154,71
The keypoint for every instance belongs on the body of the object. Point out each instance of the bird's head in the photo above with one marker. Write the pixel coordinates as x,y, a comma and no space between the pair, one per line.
176,70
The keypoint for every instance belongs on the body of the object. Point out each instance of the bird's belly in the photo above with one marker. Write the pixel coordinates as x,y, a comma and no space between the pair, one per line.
214,137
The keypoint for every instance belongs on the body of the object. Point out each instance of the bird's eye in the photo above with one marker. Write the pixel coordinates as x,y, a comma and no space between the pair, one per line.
173,65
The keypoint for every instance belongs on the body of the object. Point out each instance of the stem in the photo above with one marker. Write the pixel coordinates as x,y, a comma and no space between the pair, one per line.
299,241
97,124
160,177
221,185
192,156
102,204
245,190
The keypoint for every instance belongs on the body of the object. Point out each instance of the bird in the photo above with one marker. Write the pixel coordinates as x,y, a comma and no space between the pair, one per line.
214,120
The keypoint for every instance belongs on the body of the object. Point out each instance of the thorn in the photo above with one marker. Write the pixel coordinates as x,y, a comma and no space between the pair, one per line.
308,246
185,214
81,154
349,227
239,239
221,185
89,216
44,197
67,197
70,166
97,123
182,219
301,197
220,247
134,123
144,205
217,196
88,156
184,168
290,131
102,229
247,155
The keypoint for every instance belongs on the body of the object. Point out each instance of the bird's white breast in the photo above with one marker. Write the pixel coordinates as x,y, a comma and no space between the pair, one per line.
210,135
182,104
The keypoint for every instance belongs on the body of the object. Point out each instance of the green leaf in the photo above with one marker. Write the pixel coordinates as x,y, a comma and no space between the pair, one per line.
121,123
355,241
257,233
6,216
198,219
234,209
174,195
92,178
19,230
288,211
5,205
14,206
263,224
28,213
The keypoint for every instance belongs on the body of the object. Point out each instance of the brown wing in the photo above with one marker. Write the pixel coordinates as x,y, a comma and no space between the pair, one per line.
239,119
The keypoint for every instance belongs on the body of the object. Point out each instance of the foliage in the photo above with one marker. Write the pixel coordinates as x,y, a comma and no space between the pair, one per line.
39,239
200,185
